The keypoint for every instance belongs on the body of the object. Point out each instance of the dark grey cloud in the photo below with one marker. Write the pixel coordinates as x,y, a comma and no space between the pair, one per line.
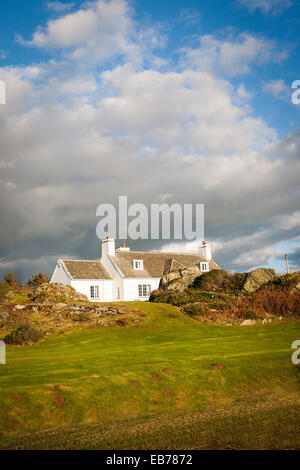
72,138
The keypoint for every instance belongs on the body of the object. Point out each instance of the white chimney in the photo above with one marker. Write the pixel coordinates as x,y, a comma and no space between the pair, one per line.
124,247
206,250
108,247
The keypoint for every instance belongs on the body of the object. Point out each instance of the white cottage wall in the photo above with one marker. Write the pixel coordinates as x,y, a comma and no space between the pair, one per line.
105,288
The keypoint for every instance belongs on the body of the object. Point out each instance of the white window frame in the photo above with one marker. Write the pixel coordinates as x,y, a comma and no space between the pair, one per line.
144,290
94,292
204,267
138,264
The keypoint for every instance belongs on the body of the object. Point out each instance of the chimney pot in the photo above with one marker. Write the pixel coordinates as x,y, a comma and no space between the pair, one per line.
108,247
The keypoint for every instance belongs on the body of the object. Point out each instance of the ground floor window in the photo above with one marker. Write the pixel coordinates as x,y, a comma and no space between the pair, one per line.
118,293
144,290
94,290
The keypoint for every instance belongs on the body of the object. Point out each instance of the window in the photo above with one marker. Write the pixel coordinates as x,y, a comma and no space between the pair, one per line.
138,264
204,267
144,290
118,293
94,292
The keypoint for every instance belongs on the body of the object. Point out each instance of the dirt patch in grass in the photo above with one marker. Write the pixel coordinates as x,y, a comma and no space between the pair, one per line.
59,400
16,398
167,371
155,377
218,365
135,384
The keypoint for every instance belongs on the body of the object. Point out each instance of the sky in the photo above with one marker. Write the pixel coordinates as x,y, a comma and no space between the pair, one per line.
177,102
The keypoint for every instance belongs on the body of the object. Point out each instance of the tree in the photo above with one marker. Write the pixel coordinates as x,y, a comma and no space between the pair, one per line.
11,279
38,279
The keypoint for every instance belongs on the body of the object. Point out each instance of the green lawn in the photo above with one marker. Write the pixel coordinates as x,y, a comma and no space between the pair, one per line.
153,385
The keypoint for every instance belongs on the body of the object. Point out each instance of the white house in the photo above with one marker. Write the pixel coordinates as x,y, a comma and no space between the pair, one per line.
122,275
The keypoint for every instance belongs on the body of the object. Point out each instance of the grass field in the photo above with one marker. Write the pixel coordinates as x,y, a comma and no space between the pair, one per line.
152,385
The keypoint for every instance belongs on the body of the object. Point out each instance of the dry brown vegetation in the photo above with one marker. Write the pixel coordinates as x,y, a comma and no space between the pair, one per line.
28,314
218,296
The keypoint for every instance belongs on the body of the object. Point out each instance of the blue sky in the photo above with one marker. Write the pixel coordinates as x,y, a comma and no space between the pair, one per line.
183,22
184,101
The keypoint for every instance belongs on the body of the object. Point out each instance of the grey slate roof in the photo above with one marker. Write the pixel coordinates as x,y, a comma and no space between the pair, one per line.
154,262
85,269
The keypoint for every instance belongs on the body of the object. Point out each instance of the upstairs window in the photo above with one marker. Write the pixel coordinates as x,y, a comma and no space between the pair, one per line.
138,264
204,267
94,290
144,290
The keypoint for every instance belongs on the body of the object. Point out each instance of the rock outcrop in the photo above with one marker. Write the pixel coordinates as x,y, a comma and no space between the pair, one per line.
247,322
180,280
257,278
51,293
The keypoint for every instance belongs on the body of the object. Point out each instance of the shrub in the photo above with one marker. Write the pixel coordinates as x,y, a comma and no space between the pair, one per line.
250,315
194,309
159,296
262,302
4,288
284,283
38,280
11,279
40,297
276,302
219,280
23,334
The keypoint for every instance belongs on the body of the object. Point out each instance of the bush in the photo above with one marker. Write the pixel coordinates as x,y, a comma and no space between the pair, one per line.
250,315
168,297
11,279
276,302
41,297
159,296
284,283
38,279
4,288
271,302
219,280
23,334
194,309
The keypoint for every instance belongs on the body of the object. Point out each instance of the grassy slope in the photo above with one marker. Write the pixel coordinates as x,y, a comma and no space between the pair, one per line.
115,377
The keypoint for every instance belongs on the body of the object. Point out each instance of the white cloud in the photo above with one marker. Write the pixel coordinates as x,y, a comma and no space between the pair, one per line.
233,55
72,137
180,131
59,6
98,31
266,6
279,89
251,249
68,31
189,16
